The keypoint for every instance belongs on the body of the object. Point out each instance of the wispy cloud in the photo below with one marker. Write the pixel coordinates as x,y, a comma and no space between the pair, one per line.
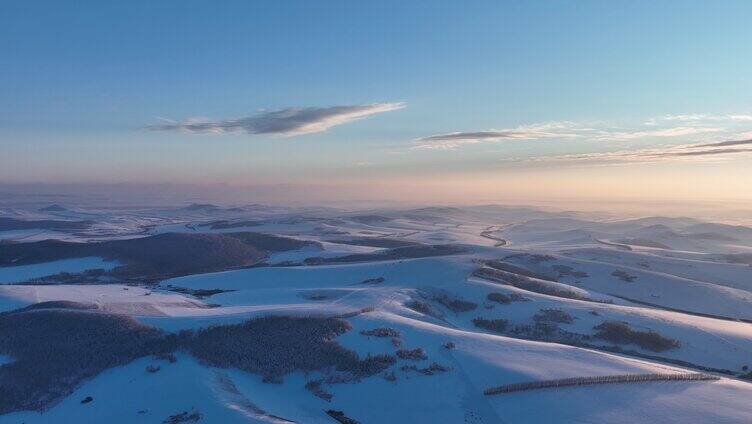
696,150
693,118
361,164
283,122
599,131
606,135
453,140
727,143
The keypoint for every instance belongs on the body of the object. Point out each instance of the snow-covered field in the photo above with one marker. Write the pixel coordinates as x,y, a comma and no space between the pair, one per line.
679,282
18,274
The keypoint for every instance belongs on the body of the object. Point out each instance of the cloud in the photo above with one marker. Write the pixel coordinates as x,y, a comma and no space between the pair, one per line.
686,117
570,130
480,136
702,117
452,140
727,143
703,152
283,122
697,150
740,117
662,132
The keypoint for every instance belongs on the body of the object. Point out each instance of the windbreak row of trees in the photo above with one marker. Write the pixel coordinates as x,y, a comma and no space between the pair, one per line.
588,381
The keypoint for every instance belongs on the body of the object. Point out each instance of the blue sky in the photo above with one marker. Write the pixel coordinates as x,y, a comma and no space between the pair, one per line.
102,92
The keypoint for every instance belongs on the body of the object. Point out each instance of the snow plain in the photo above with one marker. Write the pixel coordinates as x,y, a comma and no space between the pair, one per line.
685,291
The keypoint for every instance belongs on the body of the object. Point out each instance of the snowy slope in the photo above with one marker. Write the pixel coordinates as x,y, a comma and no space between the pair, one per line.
686,292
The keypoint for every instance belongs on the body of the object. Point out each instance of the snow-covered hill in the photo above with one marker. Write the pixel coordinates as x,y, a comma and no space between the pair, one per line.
523,296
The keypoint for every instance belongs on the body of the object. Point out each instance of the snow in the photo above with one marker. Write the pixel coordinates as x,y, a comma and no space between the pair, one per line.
329,250
22,273
113,298
478,361
432,271
120,393
31,235
690,276
704,341
654,402
655,284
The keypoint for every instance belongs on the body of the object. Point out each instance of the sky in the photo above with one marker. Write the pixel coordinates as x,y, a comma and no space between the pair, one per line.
442,102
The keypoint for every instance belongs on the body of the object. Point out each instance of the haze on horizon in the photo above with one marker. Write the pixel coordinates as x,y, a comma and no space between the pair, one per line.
350,102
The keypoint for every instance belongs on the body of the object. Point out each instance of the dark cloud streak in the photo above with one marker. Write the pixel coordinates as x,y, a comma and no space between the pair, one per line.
478,135
698,150
727,143
701,153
